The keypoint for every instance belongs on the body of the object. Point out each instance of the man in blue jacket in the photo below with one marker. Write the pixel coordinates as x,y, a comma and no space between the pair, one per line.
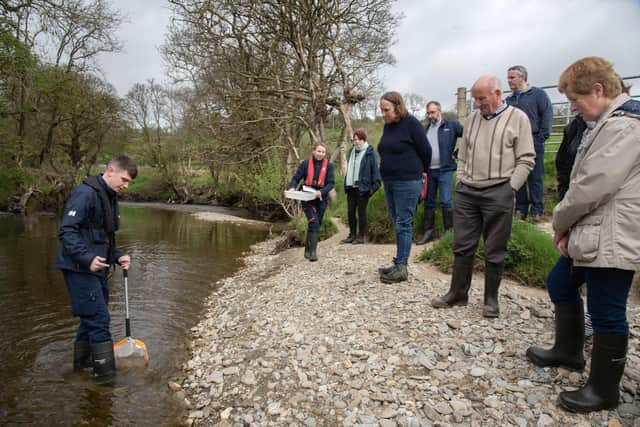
536,104
442,135
87,251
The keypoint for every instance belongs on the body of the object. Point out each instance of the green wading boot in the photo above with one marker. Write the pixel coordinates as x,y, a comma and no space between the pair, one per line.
314,236
306,247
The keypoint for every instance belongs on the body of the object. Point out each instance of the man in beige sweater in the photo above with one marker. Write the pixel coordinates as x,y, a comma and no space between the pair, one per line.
496,155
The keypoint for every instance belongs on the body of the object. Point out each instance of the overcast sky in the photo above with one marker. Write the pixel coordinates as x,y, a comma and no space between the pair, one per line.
442,44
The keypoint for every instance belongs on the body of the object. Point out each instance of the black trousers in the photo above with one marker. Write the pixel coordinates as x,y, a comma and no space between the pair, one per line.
357,201
483,211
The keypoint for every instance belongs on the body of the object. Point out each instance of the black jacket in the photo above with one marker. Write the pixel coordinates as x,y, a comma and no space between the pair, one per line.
368,180
572,135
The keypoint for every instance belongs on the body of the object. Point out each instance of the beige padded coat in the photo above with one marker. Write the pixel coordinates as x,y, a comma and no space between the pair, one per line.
601,209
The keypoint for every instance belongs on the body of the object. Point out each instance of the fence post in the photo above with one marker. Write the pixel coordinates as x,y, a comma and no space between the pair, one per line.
461,105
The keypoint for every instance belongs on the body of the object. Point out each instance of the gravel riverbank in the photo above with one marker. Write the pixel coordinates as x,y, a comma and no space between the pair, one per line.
289,342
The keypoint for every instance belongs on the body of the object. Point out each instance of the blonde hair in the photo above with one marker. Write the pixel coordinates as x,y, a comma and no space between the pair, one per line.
580,77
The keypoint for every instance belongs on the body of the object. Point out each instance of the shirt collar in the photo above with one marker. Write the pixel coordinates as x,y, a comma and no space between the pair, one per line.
498,111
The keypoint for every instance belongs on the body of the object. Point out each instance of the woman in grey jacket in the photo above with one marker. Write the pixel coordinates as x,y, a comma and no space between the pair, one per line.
597,229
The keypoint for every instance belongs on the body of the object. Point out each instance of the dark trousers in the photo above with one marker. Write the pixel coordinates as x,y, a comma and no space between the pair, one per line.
483,211
529,199
607,293
314,210
357,203
89,301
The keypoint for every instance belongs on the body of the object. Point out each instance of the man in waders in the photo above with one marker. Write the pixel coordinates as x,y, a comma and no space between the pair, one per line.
87,251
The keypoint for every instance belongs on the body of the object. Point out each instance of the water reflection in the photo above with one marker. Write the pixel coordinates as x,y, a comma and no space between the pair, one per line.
176,259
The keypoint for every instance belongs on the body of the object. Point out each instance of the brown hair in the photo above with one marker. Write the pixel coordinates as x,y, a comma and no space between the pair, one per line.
124,163
398,103
360,133
319,144
580,77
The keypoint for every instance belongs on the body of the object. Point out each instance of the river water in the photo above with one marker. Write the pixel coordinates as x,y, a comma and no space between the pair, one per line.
176,260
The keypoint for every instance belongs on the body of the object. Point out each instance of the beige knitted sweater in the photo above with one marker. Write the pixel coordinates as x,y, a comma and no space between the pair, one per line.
496,150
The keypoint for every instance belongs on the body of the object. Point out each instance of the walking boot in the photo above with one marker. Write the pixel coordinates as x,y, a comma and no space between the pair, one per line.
314,236
567,349
447,219
306,246
387,270
427,226
460,283
82,356
397,275
350,238
602,390
359,240
104,363
492,279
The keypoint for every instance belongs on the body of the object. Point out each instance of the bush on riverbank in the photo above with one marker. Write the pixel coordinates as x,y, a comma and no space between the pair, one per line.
530,256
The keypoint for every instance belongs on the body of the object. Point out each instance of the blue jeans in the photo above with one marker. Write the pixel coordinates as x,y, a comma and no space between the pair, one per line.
607,293
534,196
439,182
402,200
89,299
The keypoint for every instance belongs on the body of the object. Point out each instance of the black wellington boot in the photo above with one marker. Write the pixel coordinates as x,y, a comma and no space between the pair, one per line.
460,283
492,279
104,363
82,355
602,390
314,236
567,349
429,219
447,219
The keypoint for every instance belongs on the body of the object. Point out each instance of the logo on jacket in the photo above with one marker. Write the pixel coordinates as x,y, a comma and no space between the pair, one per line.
71,213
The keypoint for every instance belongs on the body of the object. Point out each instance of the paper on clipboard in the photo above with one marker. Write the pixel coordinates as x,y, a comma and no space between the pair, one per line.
308,189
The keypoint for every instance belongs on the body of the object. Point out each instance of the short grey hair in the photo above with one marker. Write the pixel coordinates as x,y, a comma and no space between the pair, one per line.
520,68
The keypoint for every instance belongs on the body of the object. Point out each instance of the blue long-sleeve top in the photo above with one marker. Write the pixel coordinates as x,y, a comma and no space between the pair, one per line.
536,104
404,150
301,174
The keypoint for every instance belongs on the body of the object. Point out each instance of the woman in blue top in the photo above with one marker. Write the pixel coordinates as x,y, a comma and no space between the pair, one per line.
361,181
317,172
405,154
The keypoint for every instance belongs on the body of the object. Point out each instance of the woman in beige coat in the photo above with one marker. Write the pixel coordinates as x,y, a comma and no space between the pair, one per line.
597,231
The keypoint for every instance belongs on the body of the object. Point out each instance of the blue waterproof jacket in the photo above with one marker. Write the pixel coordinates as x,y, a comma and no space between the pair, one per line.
448,133
369,176
82,232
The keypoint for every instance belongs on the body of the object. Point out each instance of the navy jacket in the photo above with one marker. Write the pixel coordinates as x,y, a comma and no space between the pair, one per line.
448,133
404,150
82,234
369,176
301,174
536,104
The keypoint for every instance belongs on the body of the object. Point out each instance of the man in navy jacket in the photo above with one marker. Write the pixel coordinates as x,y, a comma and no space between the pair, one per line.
87,251
536,104
442,135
